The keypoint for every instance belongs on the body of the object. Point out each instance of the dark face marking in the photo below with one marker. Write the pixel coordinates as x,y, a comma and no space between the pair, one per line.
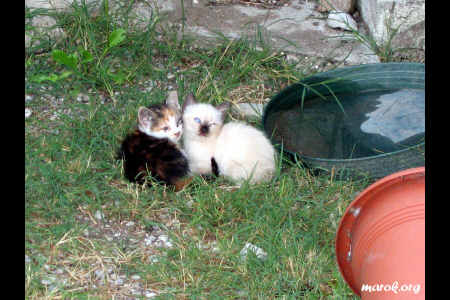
204,129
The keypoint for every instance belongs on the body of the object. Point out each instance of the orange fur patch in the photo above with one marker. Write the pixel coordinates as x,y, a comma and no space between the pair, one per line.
165,115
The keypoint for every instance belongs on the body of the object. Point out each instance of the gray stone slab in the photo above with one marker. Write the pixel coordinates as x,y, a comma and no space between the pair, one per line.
297,28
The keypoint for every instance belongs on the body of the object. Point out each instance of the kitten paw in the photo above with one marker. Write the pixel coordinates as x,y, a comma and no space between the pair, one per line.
182,183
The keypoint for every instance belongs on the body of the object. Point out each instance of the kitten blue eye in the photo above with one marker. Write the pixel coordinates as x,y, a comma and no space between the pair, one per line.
197,120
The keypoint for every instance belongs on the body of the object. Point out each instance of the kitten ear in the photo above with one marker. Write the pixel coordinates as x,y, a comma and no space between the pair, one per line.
172,100
144,117
223,107
189,101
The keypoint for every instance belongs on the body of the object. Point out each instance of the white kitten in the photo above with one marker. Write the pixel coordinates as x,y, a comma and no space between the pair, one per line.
241,151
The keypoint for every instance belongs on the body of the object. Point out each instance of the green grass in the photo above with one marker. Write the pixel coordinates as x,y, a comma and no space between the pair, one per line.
72,175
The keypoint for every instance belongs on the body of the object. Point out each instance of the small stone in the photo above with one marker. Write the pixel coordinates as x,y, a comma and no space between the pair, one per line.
215,248
260,253
59,271
83,98
54,117
49,280
341,20
153,259
129,224
150,294
45,282
99,274
292,58
149,240
165,241
99,215
249,109
135,277
27,112
135,292
28,98
27,259
170,76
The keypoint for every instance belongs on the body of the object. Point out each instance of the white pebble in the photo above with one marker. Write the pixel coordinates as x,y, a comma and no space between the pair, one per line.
149,240
27,259
99,215
260,253
292,58
99,274
48,280
165,241
150,294
153,259
128,224
83,98
135,292
59,271
27,112
341,20
54,116
45,282
135,277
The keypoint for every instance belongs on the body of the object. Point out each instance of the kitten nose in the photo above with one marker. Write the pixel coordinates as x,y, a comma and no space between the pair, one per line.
204,129
177,134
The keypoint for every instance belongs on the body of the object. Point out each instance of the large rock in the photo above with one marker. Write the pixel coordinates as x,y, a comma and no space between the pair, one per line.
407,15
298,28
52,4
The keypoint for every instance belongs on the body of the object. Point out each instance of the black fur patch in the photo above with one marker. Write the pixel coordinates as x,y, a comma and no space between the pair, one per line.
214,167
144,155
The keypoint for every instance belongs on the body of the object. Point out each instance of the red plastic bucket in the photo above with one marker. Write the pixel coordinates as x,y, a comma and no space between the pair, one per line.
380,242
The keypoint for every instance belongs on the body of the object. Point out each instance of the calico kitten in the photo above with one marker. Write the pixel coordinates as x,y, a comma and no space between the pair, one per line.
234,150
152,148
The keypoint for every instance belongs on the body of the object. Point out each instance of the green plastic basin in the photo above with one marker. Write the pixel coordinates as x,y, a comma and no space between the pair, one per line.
361,120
